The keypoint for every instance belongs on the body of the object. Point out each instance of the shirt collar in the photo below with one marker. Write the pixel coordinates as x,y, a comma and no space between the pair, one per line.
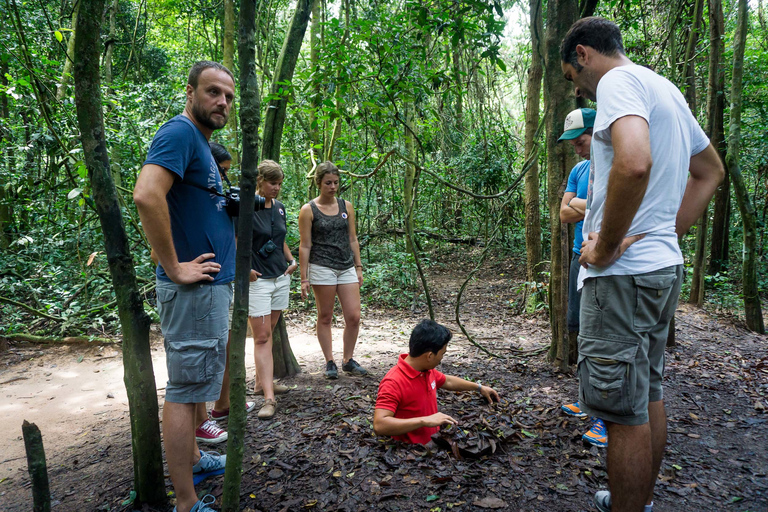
408,370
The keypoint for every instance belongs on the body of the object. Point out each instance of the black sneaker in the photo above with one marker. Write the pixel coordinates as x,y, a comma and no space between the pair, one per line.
351,367
331,372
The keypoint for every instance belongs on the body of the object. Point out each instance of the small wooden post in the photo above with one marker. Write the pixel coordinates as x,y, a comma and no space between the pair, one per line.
38,469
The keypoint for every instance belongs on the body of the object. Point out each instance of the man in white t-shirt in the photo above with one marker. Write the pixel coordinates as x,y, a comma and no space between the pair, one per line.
640,199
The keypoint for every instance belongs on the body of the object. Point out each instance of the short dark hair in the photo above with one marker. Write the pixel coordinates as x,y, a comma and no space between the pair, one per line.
198,67
219,152
588,131
428,336
601,34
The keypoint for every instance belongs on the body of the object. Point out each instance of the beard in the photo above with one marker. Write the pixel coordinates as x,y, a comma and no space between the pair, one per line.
205,119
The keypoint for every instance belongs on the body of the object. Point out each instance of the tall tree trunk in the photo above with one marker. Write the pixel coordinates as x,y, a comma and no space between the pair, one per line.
752,308
286,64
316,96
6,136
109,44
532,212
697,281
284,361
718,255
137,358
229,62
250,117
559,100
61,91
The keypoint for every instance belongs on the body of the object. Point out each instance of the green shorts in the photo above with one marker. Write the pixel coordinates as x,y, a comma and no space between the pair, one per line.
623,333
195,323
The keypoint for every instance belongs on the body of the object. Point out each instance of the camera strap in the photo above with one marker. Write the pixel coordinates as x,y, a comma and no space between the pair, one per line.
272,227
210,189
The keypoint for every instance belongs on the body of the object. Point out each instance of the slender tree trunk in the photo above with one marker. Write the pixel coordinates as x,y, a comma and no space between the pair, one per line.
250,117
229,62
409,202
718,256
137,358
286,64
532,212
752,309
316,97
697,281
6,135
559,99
61,91
109,44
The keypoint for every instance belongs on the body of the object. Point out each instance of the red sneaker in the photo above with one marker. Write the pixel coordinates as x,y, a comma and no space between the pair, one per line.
216,415
210,432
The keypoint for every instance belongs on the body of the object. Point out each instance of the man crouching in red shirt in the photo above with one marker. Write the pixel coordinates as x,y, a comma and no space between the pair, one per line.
406,407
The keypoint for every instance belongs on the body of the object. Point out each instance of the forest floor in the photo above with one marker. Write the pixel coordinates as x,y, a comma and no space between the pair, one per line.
319,452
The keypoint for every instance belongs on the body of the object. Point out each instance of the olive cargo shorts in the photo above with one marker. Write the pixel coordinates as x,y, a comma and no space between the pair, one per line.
623,333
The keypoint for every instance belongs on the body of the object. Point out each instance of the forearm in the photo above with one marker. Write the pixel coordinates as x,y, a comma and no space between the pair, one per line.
355,246
453,383
626,190
287,252
304,261
391,426
706,175
156,222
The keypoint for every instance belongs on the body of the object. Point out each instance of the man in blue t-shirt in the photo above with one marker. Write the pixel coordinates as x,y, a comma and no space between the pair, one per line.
194,240
578,132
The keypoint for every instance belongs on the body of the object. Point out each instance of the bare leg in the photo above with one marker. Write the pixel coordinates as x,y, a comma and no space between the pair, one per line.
349,297
262,352
222,404
325,298
181,451
629,466
658,422
200,414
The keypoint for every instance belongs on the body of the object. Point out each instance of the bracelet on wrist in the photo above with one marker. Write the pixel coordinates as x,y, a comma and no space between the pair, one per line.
292,262
479,388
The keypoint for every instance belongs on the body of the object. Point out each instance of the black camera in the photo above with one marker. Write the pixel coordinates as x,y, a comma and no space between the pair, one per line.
267,249
232,202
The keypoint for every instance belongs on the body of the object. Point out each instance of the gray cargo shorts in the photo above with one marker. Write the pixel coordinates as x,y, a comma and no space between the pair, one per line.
623,333
195,323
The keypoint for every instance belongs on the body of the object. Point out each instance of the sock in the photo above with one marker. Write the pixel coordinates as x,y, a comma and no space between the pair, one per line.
648,508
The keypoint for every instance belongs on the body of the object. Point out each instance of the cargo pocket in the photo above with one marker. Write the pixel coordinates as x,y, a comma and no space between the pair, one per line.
165,298
203,301
607,375
191,362
652,295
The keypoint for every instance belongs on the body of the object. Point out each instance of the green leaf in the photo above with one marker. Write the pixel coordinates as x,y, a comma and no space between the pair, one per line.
736,499
432,497
59,36
80,360
501,64
131,498
529,434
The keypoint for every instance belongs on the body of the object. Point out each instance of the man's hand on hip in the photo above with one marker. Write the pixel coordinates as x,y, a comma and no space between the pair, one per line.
194,271
597,255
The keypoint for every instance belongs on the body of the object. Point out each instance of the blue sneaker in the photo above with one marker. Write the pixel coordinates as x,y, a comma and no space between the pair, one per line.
202,505
597,434
573,410
603,501
209,461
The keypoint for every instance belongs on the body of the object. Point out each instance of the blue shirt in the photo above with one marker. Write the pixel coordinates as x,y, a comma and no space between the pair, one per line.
199,223
578,183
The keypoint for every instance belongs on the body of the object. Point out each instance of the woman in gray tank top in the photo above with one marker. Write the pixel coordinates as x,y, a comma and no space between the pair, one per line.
329,257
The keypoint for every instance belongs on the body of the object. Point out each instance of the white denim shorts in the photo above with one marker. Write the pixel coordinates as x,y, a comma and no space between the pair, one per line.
267,295
326,276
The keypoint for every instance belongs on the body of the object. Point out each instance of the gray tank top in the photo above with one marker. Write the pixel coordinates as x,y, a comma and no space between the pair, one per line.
330,238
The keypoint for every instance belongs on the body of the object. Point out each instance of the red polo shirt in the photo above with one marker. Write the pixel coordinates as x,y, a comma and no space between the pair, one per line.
410,393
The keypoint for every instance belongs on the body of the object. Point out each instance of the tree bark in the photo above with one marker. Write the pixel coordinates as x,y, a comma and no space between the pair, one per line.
560,100
752,309
61,91
229,61
250,106
699,259
38,468
280,88
718,256
532,104
109,44
274,121
6,135
137,359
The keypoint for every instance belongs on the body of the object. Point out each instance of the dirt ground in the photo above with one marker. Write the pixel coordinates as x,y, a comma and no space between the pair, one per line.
319,452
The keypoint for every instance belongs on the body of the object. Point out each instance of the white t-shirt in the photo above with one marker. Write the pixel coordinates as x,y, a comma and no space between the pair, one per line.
675,138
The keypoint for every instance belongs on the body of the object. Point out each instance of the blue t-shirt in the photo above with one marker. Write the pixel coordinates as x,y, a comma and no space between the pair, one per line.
199,223
578,183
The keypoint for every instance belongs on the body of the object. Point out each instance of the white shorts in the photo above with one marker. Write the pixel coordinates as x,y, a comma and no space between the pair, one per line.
326,276
267,295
